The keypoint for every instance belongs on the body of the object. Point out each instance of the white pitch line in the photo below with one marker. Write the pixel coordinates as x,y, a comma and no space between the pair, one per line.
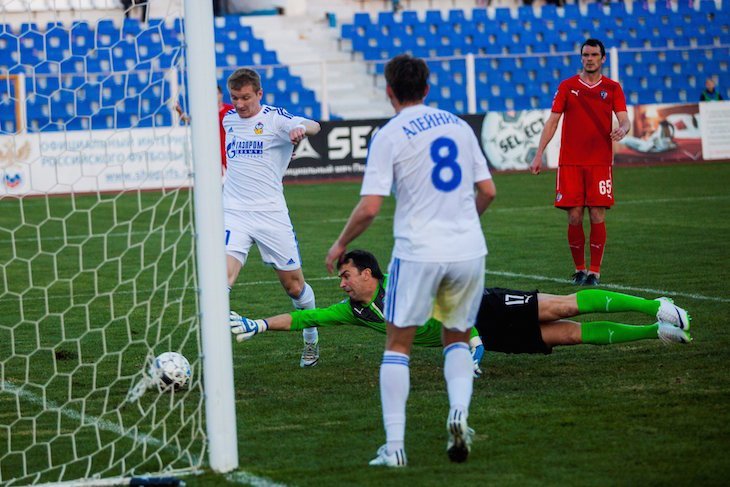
246,478
534,277
105,425
85,419
519,209
620,287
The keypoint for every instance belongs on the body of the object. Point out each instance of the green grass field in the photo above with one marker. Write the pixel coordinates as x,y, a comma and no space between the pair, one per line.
640,413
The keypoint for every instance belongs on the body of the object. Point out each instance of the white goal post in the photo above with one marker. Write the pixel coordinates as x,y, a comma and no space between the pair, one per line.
217,351
111,249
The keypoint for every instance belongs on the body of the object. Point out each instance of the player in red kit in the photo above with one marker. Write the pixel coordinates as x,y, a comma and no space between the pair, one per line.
588,101
223,108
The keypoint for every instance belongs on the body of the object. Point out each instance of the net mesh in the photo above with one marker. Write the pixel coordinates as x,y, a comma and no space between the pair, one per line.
97,268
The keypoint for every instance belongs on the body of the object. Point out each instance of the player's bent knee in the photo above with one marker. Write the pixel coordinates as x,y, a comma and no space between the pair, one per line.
454,336
293,283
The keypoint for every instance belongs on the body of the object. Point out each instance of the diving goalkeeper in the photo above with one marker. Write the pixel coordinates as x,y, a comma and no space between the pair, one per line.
509,321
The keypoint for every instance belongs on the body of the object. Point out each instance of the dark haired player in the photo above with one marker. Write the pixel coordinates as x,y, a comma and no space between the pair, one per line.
431,160
584,180
509,321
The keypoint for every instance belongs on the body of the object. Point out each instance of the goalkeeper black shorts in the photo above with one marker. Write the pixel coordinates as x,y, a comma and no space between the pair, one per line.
508,322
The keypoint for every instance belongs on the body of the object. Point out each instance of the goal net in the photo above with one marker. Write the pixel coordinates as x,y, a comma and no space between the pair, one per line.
97,246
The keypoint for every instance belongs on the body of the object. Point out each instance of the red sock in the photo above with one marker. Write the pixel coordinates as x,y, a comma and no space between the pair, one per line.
577,243
598,242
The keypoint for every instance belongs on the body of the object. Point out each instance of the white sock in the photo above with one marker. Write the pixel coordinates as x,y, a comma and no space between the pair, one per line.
394,386
310,335
306,301
459,375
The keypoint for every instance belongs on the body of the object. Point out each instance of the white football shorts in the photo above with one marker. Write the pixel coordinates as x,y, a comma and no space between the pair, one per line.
271,231
451,292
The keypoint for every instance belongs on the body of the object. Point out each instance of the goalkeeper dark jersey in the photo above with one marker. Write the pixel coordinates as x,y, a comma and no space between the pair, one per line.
369,315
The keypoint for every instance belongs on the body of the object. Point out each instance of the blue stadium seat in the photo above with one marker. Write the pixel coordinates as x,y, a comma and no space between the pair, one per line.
99,61
125,120
526,12
57,42
433,17
268,58
456,16
662,8
496,104
73,64
88,99
76,123
386,18
148,44
103,119
570,11
8,40
106,34
549,12
502,14
131,27
680,42
708,6
129,105
409,17
617,10
81,38
121,53
347,31
244,58
361,19
45,67
595,10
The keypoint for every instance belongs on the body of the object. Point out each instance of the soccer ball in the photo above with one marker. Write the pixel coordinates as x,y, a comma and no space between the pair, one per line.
170,370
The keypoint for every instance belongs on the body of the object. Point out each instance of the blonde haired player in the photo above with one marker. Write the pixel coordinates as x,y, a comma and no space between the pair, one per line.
259,144
433,161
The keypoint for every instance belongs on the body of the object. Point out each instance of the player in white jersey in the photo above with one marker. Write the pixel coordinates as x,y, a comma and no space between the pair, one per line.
259,144
433,162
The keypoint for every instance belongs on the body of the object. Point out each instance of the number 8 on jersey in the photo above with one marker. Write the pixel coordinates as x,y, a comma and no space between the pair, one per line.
444,153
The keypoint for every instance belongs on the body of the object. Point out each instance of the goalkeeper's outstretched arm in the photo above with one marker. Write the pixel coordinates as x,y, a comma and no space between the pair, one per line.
244,328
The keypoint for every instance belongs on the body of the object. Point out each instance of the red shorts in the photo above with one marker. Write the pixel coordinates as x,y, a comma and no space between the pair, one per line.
584,186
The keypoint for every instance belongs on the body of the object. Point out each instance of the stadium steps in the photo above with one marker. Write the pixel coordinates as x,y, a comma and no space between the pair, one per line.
303,43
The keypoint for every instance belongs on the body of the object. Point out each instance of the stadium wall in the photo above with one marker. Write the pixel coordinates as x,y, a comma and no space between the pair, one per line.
109,160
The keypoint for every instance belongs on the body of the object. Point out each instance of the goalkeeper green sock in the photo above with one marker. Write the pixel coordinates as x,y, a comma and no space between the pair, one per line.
608,332
600,301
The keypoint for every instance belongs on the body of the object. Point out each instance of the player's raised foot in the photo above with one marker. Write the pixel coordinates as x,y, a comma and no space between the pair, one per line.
579,278
310,354
395,459
669,333
592,280
671,313
460,436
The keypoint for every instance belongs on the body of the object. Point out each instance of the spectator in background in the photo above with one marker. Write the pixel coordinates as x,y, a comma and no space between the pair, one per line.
709,93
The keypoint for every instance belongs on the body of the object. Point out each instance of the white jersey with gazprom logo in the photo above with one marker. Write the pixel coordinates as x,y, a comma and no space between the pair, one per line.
431,159
258,150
